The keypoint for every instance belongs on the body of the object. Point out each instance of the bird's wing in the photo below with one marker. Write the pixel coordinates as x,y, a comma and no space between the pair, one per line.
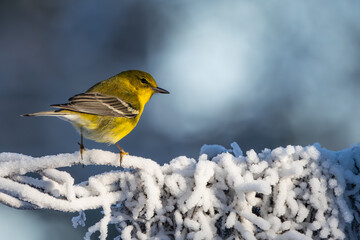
99,104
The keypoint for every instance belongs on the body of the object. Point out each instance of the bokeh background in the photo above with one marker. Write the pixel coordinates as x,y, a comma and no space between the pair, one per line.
261,73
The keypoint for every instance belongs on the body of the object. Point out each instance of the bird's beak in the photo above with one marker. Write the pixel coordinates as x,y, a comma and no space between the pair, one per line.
160,90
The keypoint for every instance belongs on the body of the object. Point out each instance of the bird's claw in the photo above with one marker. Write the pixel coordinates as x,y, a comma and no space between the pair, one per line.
122,153
82,150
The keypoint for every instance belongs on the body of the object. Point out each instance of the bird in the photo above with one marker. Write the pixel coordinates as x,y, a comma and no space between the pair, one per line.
109,110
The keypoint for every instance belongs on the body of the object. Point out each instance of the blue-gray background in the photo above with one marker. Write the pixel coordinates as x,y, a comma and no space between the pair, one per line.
261,73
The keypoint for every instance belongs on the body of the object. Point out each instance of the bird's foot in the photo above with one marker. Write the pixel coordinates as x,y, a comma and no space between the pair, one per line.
122,154
82,150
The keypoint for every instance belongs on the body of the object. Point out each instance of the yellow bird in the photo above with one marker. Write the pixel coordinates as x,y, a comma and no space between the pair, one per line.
110,109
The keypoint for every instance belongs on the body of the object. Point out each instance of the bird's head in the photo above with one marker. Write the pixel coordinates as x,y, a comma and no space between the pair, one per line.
142,84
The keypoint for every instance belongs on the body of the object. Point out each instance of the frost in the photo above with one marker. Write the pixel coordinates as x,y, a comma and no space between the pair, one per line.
286,193
79,220
236,149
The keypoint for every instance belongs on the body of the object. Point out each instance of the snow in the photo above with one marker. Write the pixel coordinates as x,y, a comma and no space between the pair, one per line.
291,192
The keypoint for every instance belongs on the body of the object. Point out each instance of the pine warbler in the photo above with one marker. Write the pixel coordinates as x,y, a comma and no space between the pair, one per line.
110,109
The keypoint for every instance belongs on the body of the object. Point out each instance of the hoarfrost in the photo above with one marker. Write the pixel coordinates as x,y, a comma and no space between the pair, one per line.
286,193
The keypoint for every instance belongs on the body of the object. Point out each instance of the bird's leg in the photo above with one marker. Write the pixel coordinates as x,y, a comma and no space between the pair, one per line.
82,148
122,153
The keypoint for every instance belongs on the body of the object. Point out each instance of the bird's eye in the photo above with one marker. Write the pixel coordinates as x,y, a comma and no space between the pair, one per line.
143,80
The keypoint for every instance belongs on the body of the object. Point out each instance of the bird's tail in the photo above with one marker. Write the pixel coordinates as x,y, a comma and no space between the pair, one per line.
55,113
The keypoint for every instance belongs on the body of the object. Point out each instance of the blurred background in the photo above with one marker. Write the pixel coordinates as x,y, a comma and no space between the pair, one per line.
264,74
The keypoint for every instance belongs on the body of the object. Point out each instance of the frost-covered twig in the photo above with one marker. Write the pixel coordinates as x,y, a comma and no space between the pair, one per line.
286,193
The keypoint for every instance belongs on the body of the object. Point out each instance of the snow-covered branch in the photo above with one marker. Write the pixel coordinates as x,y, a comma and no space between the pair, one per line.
286,193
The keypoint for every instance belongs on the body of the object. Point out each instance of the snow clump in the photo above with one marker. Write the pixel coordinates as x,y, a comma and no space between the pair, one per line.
286,193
